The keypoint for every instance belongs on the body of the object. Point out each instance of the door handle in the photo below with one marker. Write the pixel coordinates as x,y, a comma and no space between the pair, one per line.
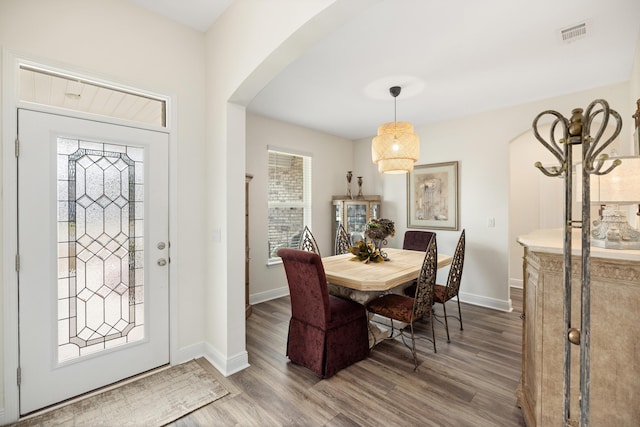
162,262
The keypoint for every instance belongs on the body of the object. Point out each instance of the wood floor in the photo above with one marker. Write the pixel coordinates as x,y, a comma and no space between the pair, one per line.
469,382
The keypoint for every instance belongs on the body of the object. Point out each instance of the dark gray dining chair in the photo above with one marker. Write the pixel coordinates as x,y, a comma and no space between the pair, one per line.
343,242
308,242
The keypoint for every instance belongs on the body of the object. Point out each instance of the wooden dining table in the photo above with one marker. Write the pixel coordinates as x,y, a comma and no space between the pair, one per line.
348,277
402,266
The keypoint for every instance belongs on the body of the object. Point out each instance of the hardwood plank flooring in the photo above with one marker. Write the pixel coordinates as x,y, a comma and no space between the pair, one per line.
468,382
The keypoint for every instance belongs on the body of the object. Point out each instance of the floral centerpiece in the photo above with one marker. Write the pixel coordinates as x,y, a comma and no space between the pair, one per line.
366,252
380,229
377,231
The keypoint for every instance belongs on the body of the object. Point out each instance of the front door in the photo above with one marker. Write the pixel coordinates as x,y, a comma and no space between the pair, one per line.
92,237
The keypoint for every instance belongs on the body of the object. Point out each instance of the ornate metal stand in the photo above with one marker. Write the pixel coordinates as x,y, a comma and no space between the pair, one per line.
577,131
379,244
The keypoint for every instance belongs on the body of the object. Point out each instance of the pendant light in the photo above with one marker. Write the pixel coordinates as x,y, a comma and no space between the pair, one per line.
396,148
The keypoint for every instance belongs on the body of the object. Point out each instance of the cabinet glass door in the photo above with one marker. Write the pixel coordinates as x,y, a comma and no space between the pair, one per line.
356,220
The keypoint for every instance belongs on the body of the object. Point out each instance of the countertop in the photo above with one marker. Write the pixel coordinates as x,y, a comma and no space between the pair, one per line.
551,241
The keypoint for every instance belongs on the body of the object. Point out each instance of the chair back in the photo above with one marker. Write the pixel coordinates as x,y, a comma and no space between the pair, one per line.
307,241
417,240
455,271
423,299
343,242
307,286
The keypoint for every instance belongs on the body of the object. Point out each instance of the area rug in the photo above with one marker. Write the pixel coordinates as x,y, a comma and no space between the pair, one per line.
155,400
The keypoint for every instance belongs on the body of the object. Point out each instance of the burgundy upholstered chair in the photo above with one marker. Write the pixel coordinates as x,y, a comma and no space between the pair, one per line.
326,333
407,309
417,240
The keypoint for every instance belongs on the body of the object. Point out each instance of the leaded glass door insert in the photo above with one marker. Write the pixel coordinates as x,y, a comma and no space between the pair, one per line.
100,246
93,226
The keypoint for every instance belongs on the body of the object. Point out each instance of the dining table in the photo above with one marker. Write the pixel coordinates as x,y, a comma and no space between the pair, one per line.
401,266
348,277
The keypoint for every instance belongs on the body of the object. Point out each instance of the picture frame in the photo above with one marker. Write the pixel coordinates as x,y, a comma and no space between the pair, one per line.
432,196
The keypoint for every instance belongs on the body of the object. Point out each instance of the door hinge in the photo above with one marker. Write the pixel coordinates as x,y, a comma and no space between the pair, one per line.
18,263
19,375
17,147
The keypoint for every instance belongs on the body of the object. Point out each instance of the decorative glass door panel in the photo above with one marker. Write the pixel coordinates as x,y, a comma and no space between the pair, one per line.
356,217
100,246
94,276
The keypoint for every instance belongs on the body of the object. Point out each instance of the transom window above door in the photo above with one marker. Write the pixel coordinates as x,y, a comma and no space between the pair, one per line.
60,90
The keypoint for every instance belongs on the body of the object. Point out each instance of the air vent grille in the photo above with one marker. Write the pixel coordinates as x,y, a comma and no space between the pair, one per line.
573,33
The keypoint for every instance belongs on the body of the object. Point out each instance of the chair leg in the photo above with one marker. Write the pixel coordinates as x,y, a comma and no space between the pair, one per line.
459,313
433,331
446,323
413,349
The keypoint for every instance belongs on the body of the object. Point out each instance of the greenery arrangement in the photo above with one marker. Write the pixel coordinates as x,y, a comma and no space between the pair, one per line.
365,252
380,228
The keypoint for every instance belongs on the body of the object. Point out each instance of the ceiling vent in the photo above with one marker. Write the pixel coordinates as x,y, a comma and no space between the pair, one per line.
573,33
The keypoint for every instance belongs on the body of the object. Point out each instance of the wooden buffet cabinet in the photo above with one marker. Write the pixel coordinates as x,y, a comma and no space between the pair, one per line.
615,333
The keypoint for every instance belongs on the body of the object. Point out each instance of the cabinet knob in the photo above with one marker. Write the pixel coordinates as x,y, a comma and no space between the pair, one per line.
574,336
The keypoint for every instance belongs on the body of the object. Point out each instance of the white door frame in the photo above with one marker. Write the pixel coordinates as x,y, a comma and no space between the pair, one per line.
10,104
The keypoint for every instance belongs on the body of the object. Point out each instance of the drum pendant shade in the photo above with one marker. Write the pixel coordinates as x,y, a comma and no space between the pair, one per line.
396,148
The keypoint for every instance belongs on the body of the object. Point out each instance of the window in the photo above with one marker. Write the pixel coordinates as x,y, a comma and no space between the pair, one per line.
79,94
289,199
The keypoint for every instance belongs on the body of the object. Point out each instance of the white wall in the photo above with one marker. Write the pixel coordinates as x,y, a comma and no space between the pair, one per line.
525,208
249,44
332,157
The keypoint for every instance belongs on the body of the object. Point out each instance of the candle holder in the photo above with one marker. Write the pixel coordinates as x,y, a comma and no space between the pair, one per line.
360,196
349,176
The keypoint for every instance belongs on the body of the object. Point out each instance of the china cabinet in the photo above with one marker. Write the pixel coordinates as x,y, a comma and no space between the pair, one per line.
353,214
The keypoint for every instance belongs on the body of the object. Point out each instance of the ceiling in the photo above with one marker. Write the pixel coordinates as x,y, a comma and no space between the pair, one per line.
452,59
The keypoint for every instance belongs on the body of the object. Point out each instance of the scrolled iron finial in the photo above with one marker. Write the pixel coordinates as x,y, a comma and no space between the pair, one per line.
596,145
578,129
552,145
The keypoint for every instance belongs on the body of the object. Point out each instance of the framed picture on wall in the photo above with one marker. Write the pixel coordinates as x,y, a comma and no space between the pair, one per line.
432,196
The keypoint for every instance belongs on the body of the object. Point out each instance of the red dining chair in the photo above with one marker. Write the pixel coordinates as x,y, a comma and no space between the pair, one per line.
407,309
417,240
326,333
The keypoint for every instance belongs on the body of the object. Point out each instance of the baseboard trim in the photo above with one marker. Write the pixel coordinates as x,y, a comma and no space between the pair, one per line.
189,352
516,283
496,304
226,366
268,295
